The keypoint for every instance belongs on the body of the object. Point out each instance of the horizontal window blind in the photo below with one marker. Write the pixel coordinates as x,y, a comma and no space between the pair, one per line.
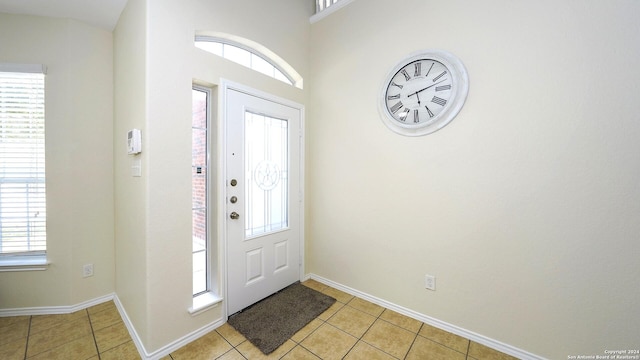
324,4
22,166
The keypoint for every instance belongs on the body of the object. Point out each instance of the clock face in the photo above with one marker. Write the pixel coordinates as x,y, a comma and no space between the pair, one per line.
418,92
423,93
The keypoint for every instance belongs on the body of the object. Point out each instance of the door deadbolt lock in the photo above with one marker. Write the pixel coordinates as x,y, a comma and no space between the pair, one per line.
234,182
233,200
234,215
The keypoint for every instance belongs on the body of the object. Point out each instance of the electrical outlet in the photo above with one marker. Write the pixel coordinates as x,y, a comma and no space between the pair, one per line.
87,270
430,282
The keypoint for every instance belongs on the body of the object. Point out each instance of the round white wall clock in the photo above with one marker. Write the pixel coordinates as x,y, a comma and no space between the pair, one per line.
423,92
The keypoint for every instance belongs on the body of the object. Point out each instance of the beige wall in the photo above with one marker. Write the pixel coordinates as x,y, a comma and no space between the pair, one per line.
130,112
153,227
79,159
526,207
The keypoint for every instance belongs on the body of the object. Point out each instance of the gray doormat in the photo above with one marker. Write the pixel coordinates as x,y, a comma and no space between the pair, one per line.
272,321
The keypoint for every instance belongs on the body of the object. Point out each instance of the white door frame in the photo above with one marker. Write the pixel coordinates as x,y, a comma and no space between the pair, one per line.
225,86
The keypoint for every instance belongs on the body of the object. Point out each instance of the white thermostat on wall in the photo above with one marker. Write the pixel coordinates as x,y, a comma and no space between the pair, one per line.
134,142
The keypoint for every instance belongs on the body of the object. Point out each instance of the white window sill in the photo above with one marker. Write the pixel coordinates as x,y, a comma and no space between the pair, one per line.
23,263
204,302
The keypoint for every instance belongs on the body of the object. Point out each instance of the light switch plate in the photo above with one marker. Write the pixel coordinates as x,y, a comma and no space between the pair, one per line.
136,167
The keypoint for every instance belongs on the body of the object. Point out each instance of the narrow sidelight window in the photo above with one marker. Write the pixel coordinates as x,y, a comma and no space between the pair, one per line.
200,192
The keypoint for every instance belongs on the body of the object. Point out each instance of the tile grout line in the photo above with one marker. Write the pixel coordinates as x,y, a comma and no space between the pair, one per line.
309,350
414,340
369,328
309,334
417,333
26,346
361,338
324,322
225,339
93,334
357,340
378,317
235,347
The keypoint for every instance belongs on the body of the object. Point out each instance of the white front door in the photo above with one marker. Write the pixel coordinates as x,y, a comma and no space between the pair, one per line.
263,193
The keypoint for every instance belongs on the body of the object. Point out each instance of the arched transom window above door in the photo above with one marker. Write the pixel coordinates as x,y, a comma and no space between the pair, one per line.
250,54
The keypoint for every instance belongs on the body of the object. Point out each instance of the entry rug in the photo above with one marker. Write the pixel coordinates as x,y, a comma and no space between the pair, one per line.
272,321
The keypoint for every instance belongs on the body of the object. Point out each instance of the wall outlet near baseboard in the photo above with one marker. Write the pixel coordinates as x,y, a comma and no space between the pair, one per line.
430,282
87,270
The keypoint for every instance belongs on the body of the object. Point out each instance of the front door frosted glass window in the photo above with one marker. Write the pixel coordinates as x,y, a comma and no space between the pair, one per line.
266,174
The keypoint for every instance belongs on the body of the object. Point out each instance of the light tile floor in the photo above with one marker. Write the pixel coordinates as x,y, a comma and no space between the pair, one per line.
351,329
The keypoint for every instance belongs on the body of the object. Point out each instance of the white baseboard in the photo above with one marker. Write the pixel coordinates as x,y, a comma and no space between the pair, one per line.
50,310
175,345
480,339
169,348
164,351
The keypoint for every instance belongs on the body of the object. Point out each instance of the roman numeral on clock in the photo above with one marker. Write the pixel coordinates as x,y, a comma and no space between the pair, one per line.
443,87
439,101
439,76
429,111
418,69
406,74
404,115
393,97
416,116
396,85
397,106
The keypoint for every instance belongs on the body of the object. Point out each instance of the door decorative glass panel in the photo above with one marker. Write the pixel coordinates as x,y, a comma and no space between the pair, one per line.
266,174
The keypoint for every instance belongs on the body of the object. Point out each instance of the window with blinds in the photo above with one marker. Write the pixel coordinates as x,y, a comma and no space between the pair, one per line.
326,7
23,210
324,4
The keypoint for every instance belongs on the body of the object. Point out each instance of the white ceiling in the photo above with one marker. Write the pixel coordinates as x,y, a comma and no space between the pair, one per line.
100,13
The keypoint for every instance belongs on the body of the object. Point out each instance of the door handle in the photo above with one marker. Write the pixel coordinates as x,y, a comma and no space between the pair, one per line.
234,215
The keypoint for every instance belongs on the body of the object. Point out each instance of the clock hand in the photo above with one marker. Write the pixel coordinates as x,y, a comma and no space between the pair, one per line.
430,86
